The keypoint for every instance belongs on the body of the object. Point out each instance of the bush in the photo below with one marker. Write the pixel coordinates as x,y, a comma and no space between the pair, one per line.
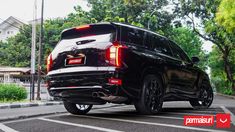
12,92
228,91
220,84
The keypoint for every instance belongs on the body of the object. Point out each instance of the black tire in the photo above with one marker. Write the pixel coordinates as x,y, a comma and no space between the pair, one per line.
205,98
151,99
77,109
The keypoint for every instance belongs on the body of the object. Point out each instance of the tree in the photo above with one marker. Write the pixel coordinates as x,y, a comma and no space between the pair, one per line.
16,51
226,15
201,15
218,75
135,12
190,43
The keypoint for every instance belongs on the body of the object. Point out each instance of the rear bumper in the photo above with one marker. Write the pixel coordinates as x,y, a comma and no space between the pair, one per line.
88,94
86,85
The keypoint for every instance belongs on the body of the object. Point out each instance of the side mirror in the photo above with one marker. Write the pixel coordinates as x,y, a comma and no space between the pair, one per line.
195,59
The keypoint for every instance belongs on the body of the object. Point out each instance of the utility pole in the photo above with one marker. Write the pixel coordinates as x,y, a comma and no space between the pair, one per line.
40,54
33,48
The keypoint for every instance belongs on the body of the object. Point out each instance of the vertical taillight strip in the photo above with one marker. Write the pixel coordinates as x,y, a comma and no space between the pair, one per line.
49,62
114,54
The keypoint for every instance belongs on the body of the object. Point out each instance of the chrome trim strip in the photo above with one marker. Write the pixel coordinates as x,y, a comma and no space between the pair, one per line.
81,69
80,87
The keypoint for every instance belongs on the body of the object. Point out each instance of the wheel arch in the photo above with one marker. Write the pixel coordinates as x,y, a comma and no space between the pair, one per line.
155,71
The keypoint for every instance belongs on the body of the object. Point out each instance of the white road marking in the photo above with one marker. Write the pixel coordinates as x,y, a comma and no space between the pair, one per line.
166,117
152,123
166,112
231,114
6,128
154,116
80,125
128,107
185,113
198,111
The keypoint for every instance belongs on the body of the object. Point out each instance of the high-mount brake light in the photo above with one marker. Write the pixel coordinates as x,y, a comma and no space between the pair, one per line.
114,55
82,27
49,62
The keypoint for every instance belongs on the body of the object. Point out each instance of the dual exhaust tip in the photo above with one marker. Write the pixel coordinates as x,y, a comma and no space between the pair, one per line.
99,94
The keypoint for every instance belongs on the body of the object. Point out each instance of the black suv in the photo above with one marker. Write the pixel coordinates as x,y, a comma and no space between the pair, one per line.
118,63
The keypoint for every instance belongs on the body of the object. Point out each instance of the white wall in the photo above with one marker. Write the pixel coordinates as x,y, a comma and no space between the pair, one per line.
9,32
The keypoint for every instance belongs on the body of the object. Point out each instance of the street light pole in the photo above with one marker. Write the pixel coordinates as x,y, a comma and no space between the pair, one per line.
40,54
33,49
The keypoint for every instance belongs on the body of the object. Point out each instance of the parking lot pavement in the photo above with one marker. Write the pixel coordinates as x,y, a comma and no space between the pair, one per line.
116,118
120,118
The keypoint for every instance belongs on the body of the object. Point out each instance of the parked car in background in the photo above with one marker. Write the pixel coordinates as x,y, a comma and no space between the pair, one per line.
119,63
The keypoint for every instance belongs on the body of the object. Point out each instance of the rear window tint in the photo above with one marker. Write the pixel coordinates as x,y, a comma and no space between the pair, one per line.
67,44
158,44
92,30
132,35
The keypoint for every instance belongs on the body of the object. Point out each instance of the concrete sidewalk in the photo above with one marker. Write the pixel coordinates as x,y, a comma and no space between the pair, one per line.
28,104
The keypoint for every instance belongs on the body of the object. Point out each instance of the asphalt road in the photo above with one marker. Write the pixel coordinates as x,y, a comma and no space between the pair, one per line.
116,118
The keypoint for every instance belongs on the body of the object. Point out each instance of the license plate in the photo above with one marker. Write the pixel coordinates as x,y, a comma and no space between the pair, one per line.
75,61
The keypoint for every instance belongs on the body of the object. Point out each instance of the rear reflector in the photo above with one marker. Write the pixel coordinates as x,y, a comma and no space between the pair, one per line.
115,81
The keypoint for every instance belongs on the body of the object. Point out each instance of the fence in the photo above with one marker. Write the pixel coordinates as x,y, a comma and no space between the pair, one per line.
24,80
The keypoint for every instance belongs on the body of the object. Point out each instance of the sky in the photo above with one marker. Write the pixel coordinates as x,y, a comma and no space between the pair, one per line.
23,10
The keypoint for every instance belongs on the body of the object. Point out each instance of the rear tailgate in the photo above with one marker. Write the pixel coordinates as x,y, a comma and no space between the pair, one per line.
83,46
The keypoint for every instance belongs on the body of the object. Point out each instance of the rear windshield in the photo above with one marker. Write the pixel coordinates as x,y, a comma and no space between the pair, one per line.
88,30
86,35
65,44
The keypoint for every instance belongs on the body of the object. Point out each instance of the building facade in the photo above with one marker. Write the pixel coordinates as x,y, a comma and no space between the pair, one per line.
10,27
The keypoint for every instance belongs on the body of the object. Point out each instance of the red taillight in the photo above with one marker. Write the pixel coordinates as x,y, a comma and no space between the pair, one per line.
115,81
113,54
82,27
49,62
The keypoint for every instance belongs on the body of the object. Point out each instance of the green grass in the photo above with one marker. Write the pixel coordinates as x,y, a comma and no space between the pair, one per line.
14,101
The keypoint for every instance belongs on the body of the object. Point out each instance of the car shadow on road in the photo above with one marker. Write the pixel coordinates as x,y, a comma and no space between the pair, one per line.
123,113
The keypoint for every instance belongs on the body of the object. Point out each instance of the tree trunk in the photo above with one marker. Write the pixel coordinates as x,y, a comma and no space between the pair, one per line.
228,71
233,85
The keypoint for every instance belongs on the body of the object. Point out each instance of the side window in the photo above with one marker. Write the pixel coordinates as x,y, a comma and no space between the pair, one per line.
147,41
179,53
176,53
131,35
160,44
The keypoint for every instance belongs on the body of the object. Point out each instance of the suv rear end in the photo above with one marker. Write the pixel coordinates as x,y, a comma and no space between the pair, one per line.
86,66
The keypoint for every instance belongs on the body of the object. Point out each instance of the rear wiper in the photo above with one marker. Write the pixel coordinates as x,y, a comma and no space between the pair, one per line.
85,41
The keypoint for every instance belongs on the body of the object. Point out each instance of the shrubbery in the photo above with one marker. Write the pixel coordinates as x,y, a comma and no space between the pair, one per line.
12,92
222,86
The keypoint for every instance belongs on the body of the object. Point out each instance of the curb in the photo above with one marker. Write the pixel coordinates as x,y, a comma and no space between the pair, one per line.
228,96
29,104
29,116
